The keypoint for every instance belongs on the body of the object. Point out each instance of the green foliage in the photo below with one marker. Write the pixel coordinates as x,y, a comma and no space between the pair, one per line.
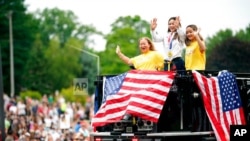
53,64
30,94
62,25
69,96
218,38
125,32
244,35
34,69
63,63
45,61
23,27
56,24
229,52
89,71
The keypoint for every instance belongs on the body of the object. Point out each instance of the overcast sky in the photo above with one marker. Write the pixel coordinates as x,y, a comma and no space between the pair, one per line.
210,15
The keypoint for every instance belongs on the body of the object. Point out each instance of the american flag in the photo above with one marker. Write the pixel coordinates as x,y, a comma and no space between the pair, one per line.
222,102
136,92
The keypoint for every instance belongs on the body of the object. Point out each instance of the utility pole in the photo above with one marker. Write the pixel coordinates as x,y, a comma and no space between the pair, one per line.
12,83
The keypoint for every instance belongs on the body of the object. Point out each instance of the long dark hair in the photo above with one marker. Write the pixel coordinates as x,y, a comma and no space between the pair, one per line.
195,28
176,36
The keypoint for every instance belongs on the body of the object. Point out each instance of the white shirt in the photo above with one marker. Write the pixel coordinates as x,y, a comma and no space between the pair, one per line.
177,46
64,121
21,108
85,132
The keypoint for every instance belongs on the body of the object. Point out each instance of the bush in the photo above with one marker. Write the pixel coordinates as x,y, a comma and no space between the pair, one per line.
69,96
31,94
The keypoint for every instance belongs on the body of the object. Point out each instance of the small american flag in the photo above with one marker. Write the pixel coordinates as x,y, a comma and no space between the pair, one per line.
139,93
222,102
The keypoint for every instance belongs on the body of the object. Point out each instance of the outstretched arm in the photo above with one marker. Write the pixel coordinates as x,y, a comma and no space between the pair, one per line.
123,57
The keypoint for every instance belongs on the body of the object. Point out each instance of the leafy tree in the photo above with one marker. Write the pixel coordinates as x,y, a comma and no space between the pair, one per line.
244,35
62,65
229,51
23,26
58,62
34,77
56,23
231,54
125,32
218,38
89,71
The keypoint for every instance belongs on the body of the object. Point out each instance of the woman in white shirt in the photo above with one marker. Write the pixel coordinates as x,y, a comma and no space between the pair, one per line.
173,42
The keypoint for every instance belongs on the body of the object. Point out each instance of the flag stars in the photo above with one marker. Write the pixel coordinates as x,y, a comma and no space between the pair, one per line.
227,95
229,91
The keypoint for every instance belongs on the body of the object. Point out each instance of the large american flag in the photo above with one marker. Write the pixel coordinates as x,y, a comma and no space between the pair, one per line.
222,102
136,92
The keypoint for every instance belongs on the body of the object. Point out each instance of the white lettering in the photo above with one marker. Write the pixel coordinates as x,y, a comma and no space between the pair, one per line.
243,131
240,132
237,132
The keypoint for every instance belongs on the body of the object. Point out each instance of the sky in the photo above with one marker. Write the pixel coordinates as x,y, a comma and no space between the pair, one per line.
210,15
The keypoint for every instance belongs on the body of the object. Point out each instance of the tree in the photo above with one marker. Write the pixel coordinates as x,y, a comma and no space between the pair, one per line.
23,27
231,54
244,35
88,63
34,77
62,26
125,32
229,51
56,23
218,38
63,65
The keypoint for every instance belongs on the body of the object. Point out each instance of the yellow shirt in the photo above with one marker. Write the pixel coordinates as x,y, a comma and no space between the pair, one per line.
151,60
194,59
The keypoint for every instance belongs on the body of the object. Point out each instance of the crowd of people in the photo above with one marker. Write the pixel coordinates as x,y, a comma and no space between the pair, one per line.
49,119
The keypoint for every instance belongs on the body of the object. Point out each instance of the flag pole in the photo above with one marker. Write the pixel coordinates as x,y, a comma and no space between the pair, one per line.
91,54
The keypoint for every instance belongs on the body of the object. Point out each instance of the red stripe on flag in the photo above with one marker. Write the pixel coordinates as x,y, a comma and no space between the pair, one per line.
220,118
142,94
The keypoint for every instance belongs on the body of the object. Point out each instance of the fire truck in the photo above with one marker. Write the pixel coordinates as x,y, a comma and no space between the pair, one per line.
183,117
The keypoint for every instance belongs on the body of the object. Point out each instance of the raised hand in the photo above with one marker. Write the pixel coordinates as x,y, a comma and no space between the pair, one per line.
118,51
196,33
177,22
153,24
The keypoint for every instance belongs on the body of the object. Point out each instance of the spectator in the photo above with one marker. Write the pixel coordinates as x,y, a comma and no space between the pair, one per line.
84,130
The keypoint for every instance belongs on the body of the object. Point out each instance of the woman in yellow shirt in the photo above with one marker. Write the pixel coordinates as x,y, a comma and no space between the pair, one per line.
195,56
149,59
